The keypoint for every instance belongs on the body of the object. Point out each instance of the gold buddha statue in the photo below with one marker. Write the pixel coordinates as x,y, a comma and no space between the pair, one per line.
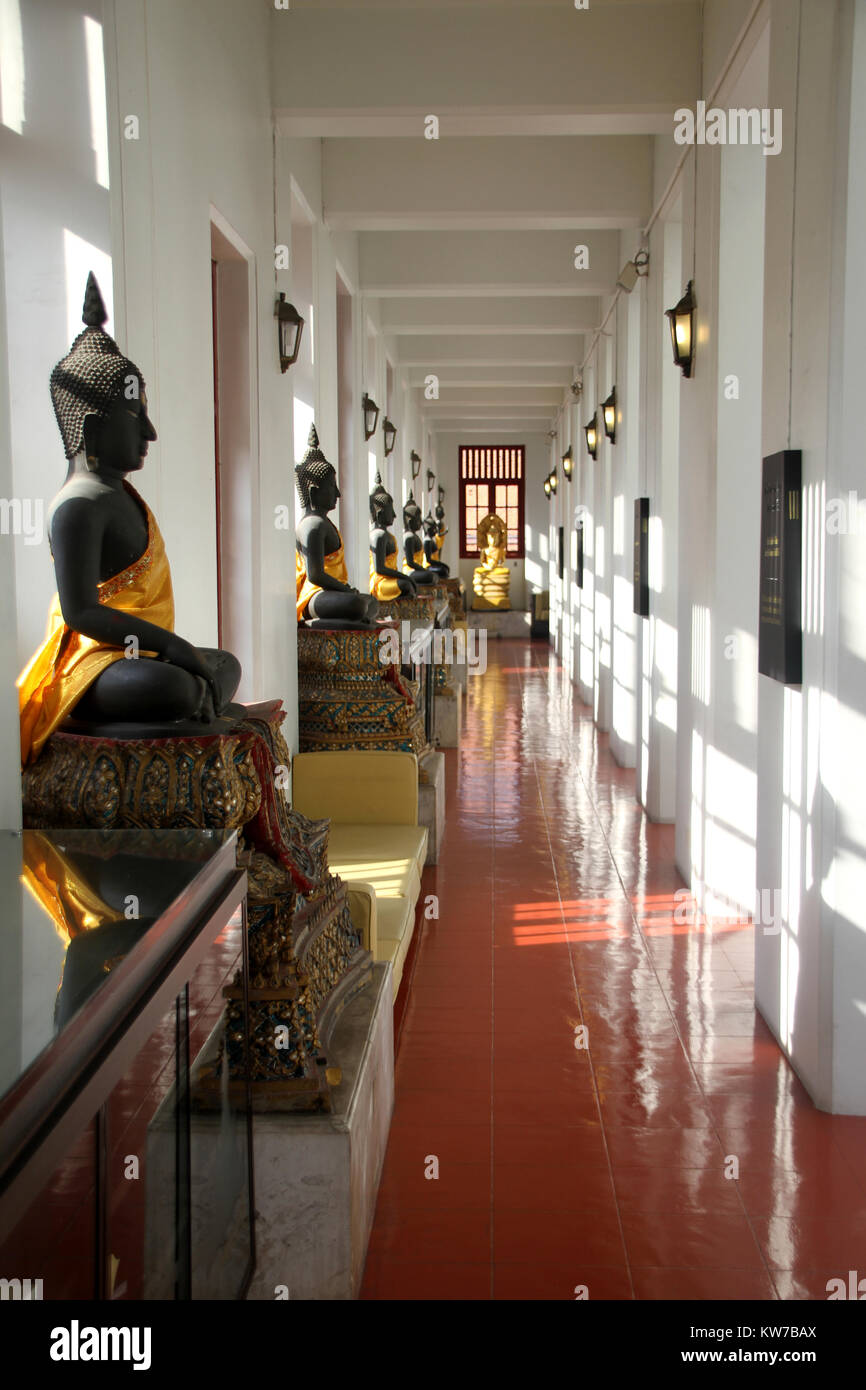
492,579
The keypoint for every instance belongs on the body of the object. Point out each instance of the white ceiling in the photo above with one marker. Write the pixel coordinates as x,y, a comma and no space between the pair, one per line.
546,122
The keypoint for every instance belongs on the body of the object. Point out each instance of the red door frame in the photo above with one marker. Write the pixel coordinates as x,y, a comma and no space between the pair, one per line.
520,553
216,438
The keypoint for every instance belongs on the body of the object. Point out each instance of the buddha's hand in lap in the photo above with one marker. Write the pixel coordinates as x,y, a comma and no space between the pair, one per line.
181,653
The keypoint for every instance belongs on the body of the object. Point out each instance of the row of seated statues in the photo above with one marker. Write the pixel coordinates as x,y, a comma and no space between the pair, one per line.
350,695
126,724
421,563
114,594
324,596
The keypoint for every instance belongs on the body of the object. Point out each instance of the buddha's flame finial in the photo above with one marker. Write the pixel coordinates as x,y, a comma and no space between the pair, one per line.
92,375
94,313
314,452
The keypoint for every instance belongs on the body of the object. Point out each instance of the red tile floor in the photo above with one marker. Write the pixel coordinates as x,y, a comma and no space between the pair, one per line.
562,1167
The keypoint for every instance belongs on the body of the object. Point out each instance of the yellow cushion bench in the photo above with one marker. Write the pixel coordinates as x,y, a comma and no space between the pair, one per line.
376,844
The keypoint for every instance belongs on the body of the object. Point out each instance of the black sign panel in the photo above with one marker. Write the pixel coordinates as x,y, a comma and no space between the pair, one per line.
780,631
641,557
579,575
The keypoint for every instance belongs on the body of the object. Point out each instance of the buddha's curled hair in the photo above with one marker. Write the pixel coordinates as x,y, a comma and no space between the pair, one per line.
313,469
378,498
94,372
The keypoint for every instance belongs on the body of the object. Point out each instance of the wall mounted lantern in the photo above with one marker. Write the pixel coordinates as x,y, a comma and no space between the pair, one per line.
441,491
591,432
568,463
682,321
290,326
608,408
415,461
390,433
371,416
431,478
548,490
554,480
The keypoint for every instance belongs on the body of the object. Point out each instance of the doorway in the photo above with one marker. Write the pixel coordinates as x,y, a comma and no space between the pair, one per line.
235,451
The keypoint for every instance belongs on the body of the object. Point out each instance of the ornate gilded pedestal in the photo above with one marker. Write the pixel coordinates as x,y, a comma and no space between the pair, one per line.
348,697
306,960
421,609
456,591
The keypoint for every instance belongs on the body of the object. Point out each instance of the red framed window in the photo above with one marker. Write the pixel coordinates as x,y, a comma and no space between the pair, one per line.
491,480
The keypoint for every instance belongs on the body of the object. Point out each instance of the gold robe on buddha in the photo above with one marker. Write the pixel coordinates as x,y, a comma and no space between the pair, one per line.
68,663
418,556
385,589
335,566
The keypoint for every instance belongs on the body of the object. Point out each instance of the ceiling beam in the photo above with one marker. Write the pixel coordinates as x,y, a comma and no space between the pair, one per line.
496,393
492,429
447,264
643,58
407,317
511,375
554,349
484,183
349,124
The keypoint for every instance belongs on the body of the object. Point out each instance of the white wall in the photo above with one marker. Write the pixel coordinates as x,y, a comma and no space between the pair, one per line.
840,804
585,597
625,473
731,778
167,63
656,747
56,226
719,459
10,758
537,516
809,976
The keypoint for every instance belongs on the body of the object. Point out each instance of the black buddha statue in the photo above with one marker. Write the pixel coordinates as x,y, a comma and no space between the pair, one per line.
441,528
112,663
413,549
324,594
432,543
386,581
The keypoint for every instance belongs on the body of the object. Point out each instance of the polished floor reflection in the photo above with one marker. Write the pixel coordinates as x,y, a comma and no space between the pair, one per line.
563,1167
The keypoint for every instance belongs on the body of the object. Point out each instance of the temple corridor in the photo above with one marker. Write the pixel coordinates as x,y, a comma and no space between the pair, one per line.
603,1166
433,538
